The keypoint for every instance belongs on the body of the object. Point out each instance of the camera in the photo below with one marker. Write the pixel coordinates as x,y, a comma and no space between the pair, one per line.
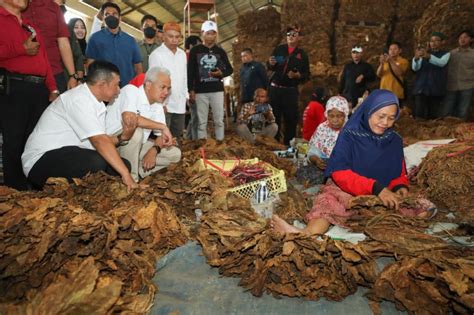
261,108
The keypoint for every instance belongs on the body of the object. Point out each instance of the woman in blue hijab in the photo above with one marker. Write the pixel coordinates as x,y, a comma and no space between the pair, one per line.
367,160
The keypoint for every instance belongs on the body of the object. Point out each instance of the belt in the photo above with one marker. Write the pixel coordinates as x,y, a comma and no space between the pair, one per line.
26,78
282,86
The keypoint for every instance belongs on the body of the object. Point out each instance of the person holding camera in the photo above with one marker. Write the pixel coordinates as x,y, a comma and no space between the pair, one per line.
208,64
391,71
256,118
290,66
429,89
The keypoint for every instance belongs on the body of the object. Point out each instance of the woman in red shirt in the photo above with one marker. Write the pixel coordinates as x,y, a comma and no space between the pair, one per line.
367,160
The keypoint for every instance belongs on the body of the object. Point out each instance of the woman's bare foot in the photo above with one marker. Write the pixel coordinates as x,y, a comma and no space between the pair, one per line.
424,214
280,225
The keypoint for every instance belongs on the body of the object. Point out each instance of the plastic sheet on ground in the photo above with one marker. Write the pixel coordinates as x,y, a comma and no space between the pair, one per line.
188,285
415,153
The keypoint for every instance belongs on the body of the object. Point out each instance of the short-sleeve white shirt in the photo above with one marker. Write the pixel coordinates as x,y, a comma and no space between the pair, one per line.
70,120
132,99
176,65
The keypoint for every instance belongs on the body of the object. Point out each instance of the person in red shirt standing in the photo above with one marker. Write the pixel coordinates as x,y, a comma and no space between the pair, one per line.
367,160
27,86
313,114
47,16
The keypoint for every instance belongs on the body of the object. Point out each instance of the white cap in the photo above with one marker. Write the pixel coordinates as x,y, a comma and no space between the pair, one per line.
209,26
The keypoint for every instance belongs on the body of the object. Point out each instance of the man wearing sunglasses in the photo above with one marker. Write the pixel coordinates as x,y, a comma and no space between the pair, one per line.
290,66
26,85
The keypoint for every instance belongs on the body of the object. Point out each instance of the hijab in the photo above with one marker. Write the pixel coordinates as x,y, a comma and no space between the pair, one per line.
378,157
325,137
82,42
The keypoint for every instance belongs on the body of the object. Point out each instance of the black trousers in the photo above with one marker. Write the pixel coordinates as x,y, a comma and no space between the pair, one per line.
19,113
427,107
61,82
284,102
69,162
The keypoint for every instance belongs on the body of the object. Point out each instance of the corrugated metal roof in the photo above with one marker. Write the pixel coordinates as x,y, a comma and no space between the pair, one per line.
173,10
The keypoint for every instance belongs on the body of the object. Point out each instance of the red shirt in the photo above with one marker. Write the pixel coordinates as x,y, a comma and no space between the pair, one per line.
357,185
46,15
13,55
313,116
138,80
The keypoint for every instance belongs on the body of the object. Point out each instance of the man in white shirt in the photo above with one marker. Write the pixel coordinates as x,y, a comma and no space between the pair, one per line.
139,109
70,140
169,56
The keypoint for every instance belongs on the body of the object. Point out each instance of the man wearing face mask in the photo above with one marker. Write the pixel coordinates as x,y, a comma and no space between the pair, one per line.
114,45
149,43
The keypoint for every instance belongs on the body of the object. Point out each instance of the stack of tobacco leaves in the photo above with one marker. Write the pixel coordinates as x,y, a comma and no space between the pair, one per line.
447,176
427,273
413,130
239,243
82,248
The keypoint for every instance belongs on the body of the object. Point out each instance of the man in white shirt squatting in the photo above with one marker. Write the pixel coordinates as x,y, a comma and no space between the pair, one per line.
70,139
139,111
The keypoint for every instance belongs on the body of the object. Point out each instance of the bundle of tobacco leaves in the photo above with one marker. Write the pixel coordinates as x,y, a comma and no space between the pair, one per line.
413,130
439,281
239,243
447,176
83,247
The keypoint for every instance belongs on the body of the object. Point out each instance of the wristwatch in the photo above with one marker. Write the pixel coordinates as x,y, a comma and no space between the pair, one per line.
120,141
157,148
75,76
56,92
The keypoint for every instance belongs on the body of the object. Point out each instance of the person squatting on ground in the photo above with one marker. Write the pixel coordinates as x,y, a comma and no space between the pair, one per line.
208,64
429,88
325,136
70,139
367,160
256,118
290,66
134,115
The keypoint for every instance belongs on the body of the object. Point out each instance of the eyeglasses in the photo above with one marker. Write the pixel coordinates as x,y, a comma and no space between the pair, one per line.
292,34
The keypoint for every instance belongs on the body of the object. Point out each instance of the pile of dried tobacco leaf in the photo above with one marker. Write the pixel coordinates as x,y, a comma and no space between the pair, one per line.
240,244
447,176
82,248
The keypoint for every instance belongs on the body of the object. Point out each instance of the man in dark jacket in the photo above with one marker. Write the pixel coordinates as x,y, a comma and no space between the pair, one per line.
252,76
208,64
431,77
290,66
356,76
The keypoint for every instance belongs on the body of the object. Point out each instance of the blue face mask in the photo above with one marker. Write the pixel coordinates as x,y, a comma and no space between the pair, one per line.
149,32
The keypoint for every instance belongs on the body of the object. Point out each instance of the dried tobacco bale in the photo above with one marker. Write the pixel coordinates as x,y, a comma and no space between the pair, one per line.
239,244
83,247
447,176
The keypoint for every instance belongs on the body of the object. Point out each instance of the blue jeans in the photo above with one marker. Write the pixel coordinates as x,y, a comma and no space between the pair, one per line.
456,103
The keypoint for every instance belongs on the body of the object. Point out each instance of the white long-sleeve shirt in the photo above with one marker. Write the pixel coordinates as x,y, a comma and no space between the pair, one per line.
176,64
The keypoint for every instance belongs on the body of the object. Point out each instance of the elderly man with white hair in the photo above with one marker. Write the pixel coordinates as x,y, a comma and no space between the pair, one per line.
134,115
